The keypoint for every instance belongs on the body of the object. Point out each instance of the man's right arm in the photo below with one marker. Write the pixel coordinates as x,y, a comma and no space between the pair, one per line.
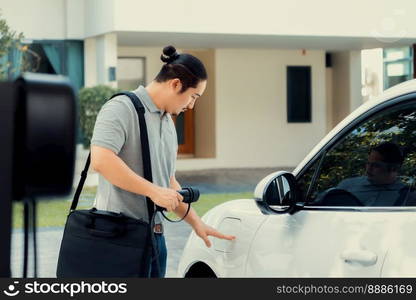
115,170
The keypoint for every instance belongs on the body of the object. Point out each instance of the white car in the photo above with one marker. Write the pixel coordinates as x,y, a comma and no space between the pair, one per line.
334,216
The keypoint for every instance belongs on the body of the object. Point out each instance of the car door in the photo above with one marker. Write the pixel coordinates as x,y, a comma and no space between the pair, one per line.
351,223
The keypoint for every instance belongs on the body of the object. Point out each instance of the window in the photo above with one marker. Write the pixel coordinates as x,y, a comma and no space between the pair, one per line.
364,167
64,57
398,66
131,72
299,94
305,180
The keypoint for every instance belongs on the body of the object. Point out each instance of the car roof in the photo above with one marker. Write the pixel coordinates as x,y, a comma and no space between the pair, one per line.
404,88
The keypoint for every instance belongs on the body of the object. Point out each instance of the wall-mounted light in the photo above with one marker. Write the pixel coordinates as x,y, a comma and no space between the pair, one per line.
112,74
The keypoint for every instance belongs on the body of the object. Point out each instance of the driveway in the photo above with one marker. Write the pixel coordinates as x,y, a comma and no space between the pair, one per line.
49,240
211,181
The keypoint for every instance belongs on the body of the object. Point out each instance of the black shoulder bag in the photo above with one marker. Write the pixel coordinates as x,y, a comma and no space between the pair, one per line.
106,244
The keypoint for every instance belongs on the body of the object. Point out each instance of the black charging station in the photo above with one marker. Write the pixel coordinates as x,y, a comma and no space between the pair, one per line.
38,115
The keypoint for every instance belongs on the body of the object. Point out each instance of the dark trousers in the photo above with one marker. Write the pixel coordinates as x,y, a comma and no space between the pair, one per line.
161,247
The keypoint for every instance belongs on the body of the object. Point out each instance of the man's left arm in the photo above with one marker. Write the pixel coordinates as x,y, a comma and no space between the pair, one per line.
200,228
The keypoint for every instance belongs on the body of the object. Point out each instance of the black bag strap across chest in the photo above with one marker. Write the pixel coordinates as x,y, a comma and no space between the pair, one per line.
147,167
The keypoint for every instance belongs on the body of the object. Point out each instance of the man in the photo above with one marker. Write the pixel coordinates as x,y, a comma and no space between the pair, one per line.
116,152
380,186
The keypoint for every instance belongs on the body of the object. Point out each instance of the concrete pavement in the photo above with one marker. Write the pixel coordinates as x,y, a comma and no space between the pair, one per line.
209,181
49,240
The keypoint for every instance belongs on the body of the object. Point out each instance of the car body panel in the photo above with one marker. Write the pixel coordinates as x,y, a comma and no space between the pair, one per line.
401,258
314,241
349,244
231,263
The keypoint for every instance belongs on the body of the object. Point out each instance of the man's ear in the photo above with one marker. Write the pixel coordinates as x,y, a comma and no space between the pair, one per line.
176,85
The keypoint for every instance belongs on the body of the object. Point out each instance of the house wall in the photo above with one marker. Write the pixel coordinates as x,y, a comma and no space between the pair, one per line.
243,117
271,17
241,121
21,17
372,18
205,110
252,127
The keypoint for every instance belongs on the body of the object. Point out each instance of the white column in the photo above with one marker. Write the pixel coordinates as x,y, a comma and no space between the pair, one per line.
356,98
329,98
346,68
90,62
372,75
106,58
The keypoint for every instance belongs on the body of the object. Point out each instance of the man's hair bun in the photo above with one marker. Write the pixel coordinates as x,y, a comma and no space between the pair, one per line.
185,67
169,54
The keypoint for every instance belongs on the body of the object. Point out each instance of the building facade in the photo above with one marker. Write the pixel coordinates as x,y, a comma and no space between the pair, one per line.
281,73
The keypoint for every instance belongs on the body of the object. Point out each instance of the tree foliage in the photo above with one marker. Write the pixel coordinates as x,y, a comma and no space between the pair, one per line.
9,39
349,156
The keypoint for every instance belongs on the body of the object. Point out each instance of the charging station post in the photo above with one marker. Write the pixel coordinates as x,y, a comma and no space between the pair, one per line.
6,174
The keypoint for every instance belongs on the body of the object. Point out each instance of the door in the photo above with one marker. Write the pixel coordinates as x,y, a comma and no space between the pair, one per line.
359,195
184,124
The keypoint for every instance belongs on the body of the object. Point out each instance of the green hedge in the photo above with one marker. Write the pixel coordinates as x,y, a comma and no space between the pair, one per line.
91,100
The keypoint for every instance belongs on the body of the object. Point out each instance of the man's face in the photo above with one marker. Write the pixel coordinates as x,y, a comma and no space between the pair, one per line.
378,171
180,102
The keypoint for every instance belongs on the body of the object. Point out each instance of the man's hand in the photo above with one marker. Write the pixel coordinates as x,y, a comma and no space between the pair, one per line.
166,198
203,231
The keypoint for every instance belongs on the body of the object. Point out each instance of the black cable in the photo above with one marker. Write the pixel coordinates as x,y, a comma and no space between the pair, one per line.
29,223
173,221
154,247
34,229
25,236
152,233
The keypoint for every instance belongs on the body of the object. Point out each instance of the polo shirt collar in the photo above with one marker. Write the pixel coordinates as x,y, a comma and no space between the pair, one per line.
144,96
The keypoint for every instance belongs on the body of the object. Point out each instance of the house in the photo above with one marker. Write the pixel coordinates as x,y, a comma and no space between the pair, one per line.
281,73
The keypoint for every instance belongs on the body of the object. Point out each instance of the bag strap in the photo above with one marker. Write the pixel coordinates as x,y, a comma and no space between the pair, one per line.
84,174
147,167
144,138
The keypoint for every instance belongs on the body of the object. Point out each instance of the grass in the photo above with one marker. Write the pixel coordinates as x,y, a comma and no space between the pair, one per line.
208,201
53,212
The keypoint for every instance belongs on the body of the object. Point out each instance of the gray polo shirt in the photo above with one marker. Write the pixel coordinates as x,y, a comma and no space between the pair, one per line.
371,194
117,129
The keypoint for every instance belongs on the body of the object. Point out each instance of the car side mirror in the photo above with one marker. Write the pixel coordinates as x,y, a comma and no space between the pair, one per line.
277,192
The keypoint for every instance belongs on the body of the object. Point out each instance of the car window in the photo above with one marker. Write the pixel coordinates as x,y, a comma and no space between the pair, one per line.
304,181
373,165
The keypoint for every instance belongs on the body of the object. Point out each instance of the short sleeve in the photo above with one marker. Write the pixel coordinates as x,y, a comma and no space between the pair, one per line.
110,129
